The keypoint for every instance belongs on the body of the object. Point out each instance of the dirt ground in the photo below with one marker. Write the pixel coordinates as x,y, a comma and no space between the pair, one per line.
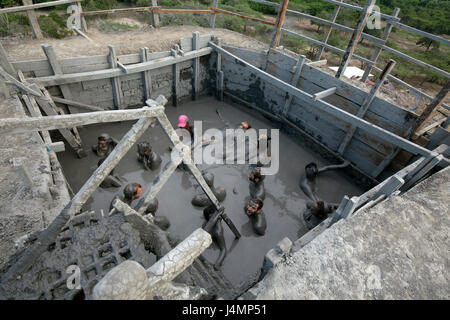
127,42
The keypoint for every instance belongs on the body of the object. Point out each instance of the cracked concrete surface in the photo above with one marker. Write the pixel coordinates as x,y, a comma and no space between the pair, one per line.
27,191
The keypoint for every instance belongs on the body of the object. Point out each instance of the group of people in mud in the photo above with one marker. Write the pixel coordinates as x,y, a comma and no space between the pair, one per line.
316,209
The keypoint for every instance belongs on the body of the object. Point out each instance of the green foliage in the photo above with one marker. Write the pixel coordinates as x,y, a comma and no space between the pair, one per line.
111,26
53,25
12,23
428,43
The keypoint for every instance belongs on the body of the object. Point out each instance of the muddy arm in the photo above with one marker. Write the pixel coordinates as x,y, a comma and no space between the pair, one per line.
308,190
333,167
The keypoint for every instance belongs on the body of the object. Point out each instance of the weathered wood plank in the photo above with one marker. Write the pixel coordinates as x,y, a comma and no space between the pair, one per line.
327,34
5,62
212,19
294,82
279,24
155,15
366,103
196,66
36,6
368,7
324,94
115,81
32,18
116,72
146,77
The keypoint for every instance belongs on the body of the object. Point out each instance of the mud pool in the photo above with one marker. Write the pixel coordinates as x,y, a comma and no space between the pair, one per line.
284,204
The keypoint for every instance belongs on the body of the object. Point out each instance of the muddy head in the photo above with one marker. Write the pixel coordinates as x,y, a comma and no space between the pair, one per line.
209,178
144,149
256,215
132,191
311,170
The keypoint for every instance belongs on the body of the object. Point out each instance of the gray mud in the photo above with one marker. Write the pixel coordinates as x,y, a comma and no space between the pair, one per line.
284,204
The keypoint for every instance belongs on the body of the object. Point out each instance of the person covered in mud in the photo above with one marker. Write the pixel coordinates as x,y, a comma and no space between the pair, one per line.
150,159
105,145
308,182
183,123
216,232
257,190
202,200
254,211
132,192
318,211
111,181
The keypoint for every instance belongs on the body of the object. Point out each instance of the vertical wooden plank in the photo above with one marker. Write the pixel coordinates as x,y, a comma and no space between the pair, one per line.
155,16
5,63
431,108
377,51
294,81
83,20
196,66
37,33
355,37
366,104
175,77
220,84
212,19
327,34
279,24
116,86
146,77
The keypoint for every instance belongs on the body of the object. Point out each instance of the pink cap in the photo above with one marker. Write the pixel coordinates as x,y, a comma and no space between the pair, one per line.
182,121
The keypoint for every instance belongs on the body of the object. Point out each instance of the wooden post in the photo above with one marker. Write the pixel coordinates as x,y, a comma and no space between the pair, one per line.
116,85
355,37
175,76
5,63
431,108
377,52
219,74
146,77
294,81
196,66
366,104
37,33
49,235
328,31
212,19
155,16
83,20
279,24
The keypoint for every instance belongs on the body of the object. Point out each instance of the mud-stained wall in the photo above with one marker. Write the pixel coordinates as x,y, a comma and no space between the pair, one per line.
366,151
132,86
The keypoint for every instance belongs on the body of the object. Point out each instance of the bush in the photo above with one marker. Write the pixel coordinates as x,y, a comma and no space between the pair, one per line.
13,23
53,25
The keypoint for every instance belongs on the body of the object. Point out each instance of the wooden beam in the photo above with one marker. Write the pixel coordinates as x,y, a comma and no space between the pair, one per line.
77,104
196,66
18,84
81,33
324,94
365,105
5,62
328,31
431,108
428,128
279,24
155,15
327,107
49,235
115,81
146,77
175,77
119,10
355,37
230,13
219,73
58,122
162,10
36,6
212,19
377,51
294,81
32,18
110,73
318,63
